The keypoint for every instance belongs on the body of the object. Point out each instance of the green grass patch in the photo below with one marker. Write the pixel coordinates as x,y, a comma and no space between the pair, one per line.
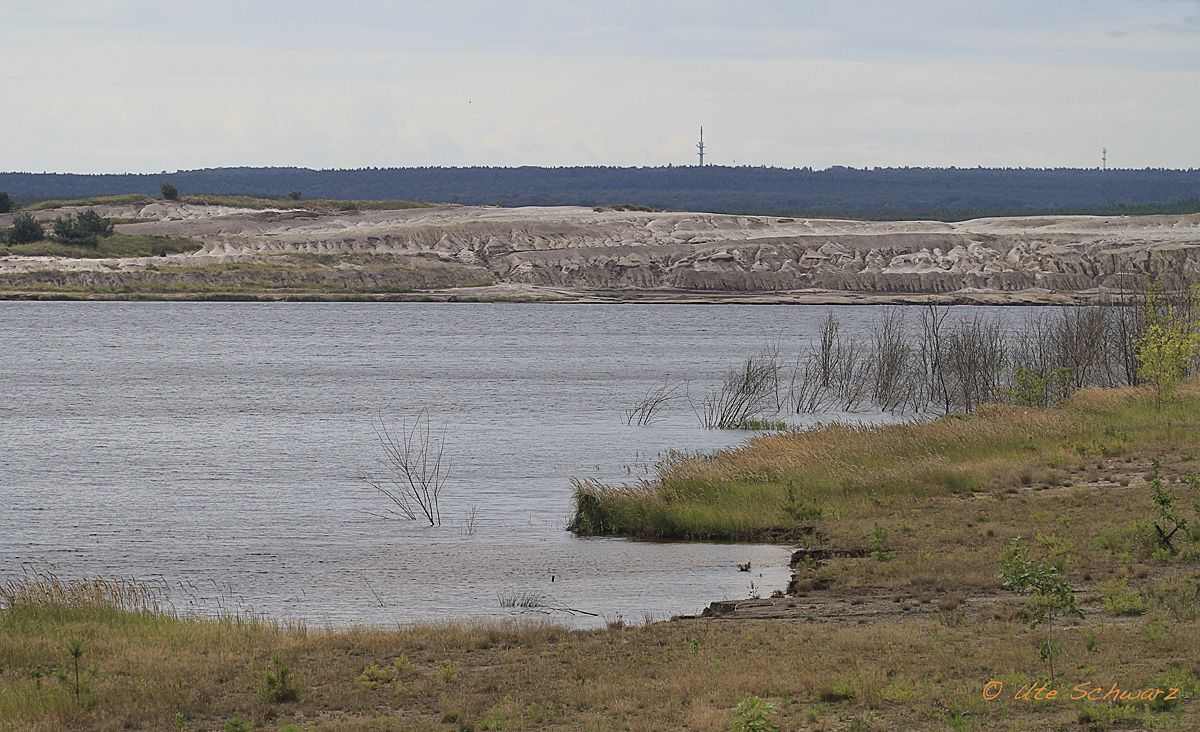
758,424
93,201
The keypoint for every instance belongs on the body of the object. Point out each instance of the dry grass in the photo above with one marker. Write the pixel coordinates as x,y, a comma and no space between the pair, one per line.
290,273
43,591
1099,528
164,673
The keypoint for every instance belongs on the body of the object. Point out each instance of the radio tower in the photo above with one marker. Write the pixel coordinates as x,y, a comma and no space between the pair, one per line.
700,146
1104,158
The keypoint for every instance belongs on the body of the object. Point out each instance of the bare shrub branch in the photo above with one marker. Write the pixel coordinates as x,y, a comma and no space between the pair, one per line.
648,409
744,394
415,466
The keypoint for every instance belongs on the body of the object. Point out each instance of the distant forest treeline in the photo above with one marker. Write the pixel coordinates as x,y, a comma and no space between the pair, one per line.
879,193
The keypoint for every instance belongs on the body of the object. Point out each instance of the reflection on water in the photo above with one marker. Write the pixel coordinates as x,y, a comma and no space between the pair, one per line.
215,448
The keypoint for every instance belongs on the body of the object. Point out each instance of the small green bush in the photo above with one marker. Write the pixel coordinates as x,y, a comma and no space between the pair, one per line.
496,719
1174,677
879,539
1049,594
448,673
840,690
235,724
26,230
1168,521
1119,599
374,675
753,714
169,192
279,684
86,229
404,668
1041,389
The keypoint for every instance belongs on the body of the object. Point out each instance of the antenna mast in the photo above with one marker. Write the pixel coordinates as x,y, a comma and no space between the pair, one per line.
1104,158
700,146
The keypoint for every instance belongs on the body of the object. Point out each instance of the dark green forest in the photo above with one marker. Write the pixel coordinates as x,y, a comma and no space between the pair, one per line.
871,193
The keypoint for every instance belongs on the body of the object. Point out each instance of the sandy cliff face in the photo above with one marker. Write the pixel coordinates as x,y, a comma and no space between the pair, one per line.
585,249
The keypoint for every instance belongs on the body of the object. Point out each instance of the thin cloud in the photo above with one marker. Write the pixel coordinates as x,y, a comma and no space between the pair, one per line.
623,83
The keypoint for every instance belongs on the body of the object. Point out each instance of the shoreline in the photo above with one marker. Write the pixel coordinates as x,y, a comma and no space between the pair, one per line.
508,293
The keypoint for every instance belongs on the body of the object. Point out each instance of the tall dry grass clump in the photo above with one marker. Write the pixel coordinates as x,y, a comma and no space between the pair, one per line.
44,591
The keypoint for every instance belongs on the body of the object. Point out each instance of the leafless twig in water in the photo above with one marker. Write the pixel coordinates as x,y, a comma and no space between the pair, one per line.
414,458
745,393
646,411
472,521
378,599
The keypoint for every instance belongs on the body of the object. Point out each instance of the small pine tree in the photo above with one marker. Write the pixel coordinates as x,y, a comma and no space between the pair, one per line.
5,203
93,223
26,229
294,195
169,192
82,230
64,229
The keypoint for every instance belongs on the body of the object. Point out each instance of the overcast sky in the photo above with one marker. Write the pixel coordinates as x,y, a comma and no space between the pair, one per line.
133,85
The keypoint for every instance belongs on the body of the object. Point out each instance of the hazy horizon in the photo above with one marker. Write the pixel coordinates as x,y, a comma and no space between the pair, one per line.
1110,168
132,86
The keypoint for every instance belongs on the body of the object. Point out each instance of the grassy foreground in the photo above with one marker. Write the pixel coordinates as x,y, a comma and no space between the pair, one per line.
141,669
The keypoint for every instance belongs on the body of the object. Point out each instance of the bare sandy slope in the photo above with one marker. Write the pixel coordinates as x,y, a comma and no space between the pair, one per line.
572,252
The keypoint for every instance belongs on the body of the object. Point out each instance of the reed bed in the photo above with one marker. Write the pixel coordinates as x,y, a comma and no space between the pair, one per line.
937,362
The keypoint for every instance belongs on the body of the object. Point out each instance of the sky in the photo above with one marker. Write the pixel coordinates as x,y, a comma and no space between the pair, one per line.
139,86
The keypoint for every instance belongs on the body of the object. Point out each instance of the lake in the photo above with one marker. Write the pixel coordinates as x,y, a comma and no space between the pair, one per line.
216,450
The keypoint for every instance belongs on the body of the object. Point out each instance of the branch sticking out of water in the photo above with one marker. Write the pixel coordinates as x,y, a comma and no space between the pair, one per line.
416,469
648,408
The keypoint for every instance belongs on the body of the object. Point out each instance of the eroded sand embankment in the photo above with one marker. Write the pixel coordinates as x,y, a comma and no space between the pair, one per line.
581,253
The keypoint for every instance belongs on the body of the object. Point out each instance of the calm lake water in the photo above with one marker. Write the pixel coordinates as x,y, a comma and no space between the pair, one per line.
215,449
